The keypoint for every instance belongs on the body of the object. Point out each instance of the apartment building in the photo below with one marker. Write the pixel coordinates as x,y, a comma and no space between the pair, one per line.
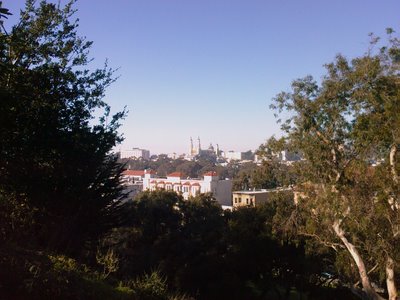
210,183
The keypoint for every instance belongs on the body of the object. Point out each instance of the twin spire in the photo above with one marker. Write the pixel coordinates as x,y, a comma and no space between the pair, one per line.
195,151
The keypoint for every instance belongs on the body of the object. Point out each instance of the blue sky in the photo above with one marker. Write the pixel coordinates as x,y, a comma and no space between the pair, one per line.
210,68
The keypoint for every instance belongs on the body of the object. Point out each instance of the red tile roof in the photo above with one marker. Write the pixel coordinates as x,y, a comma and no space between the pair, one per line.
175,174
133,172
186,183
137,172
196,184
211,173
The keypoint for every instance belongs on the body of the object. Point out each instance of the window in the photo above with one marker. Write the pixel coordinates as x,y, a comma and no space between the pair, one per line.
247,200
235,200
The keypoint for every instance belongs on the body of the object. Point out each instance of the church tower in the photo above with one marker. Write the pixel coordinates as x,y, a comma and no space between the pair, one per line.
191,150
198,145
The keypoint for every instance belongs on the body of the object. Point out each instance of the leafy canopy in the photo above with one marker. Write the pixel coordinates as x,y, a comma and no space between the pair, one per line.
53,152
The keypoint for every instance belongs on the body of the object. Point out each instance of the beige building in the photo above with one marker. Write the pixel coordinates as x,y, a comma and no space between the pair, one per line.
253,198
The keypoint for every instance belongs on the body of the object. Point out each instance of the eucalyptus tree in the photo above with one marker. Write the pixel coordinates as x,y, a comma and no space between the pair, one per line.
347,127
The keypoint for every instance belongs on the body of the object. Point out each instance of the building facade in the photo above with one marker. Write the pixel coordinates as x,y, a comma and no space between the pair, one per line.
188,187
132,182
256,197
233,155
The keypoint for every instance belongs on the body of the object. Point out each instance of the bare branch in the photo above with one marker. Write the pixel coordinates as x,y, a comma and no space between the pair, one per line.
334,246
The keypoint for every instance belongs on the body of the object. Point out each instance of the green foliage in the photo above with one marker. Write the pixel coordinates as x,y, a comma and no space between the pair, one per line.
164,165
59,184
151,286
26,274
269,174
108,260
16,218
252,249
55,157
63,263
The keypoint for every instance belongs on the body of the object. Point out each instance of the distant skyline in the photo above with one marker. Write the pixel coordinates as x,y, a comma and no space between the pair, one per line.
210,68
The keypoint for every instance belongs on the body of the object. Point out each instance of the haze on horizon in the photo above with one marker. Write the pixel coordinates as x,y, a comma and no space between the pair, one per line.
210,68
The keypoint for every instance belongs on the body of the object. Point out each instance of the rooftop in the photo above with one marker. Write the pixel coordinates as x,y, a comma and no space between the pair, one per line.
175,174
133,172
211,173
137,172
262,191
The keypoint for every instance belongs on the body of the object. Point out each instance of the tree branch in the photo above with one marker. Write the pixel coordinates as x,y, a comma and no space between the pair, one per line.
338,174
334,246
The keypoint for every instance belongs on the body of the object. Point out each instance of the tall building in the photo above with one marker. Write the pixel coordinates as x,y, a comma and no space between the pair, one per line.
135,153
233,155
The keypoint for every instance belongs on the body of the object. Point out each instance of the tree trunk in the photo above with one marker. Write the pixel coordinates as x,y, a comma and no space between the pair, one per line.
368,292
390,282
392,161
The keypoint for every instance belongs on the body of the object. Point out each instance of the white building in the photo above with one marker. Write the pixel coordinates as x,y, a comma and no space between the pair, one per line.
289,156
233,155
130,176
220,189
135,153
283,156
132,182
